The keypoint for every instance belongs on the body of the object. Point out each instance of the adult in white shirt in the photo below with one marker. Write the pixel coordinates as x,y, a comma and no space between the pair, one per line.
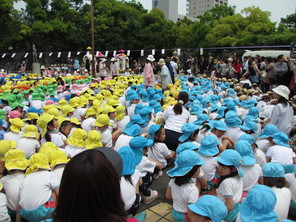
282,113
175,117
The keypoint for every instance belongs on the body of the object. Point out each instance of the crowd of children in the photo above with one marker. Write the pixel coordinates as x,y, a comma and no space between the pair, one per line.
222,140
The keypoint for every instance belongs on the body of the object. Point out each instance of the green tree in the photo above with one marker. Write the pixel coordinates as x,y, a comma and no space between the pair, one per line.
289,21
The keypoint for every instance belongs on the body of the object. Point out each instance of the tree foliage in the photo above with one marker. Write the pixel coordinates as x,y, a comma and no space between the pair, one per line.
64,25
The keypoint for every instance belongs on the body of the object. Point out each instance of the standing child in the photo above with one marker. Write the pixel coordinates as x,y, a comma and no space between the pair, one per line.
230,187
181,187
39,190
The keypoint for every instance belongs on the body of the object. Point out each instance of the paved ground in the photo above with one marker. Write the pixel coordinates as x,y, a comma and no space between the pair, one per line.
160,209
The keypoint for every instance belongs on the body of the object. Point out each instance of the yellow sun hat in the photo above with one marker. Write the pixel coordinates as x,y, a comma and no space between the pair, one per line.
62,103
38,161
78,138
102,120
48,147
57,157
31,116
42,122
96,104
74,102
16,125
15,159
120,112
31,131
108,109
90,112
67,109
112,102
93,139
55,112
6,145
75,121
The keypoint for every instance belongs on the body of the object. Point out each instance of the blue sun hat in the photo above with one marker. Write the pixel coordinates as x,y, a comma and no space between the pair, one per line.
144,95
220,112
259,205
281,139
185,161
250,125
196,109
244,148
205,102
137,144
231,158
211,207
138,108
187,130
144,113
135,119
129,160
201,119
273,170
159,92
247,137
186,146
133,130
209,146
225,101
231,93
219,125
157,97
230,105
214,107
253,113
232,120
129,94
152,130
157,108
268,131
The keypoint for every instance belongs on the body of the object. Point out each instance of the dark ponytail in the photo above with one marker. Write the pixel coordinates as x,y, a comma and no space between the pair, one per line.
183,98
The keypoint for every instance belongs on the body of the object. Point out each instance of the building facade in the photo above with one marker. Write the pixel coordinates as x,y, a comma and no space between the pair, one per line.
199,7
169,7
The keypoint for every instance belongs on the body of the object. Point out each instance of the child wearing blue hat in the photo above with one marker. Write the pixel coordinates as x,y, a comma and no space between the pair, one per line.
130,181
207,208
134,100
274,177
129,133
258,206
218,131
230,187
181,187
279,150
159,151
262,141
190,132
140,146
252,171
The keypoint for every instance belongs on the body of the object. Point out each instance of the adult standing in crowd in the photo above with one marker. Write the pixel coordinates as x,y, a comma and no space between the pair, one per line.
252,71
164,74
280,69
148,72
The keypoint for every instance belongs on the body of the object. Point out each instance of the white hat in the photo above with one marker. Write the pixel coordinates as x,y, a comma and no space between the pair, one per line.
282,91
189,71
230,59
112,59
161,62
42,67
151,58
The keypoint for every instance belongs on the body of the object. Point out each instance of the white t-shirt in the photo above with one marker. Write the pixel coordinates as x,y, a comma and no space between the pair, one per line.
261,104
79,112
4,216
263,145
11,184
209,168
231,188
231,131
58,171
37,188
283,196
56,139
107,138
237,135
282,117
37,104
131,110
280,154
146,128
128,190
158,152
251,176
175,122
183,195
122,140
290,177
28,145
88,123
260,157
12,136
192,118
73,150
145,166
122,123
201,135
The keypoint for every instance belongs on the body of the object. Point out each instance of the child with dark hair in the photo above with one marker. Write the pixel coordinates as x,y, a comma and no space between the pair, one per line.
181,188
274,177
230,188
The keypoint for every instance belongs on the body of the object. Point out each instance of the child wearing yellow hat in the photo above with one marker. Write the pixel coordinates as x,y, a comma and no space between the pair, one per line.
49,130
65,129
102,123
39,190
58,160
121,117
3,209
76,143
14,132
16,164
93,140
88,123
29,142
